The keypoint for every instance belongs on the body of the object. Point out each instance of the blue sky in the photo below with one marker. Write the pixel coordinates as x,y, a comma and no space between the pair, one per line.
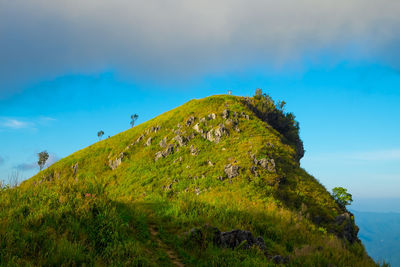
69,70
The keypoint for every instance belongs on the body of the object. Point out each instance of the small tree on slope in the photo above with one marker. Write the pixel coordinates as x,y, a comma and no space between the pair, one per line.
43,157
341,196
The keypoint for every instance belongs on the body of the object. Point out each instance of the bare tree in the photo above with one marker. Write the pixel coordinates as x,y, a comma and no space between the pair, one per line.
100,134
43,157
133,119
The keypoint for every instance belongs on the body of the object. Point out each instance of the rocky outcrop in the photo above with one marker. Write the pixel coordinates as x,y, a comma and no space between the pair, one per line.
232,239
231,170
265,163
115,163
194,151
163,154
181,140
190,121
225,114
235,239
212,116
346,227
163,142
75,168
153,129
214,135
196,127
139,139
148,142
254,170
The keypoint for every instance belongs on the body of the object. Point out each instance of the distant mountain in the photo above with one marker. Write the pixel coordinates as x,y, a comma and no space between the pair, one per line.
380,233
215,182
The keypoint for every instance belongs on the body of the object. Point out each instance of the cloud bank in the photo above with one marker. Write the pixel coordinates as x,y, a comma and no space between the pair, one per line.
175,39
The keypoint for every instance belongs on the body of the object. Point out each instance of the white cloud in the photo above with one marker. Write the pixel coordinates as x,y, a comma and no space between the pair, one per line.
171,39
10,123
14,123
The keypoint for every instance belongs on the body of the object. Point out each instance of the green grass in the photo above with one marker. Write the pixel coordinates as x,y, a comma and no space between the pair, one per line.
101,216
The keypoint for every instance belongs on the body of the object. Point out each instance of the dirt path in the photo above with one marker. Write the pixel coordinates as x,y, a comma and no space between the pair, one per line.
171,254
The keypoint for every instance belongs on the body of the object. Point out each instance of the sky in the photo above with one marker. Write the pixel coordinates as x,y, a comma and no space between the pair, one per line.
70,68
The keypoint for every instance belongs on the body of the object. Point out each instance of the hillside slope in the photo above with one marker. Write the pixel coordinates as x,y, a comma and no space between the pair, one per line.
161,192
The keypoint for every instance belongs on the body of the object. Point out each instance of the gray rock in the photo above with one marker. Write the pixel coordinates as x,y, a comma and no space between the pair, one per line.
163,154
235,238
139,139
148,142
268,164
196,127
210,163
202,120
75,168
181,140
254,171
194,151
212,116
214,135
190,121
232,239
221,131
158,155
115,163
278,259
169,150
163,142
225,114
231,170
346,227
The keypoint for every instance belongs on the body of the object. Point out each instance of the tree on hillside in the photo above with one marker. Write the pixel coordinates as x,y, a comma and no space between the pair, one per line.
100,134
341,196
258,93
133,119
43,157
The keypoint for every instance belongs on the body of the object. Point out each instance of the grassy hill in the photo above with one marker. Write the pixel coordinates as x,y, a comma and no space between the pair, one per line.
224,161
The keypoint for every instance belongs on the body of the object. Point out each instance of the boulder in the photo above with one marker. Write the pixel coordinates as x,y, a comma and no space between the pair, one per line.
181,140
268,164
139,138
254,171
115,163
163,154
190,121
75,168
163,142
214,135
194,151
232,239
244,239
225,114
231,170
169,150
278,259
148,142
158,155
212,116
196,127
